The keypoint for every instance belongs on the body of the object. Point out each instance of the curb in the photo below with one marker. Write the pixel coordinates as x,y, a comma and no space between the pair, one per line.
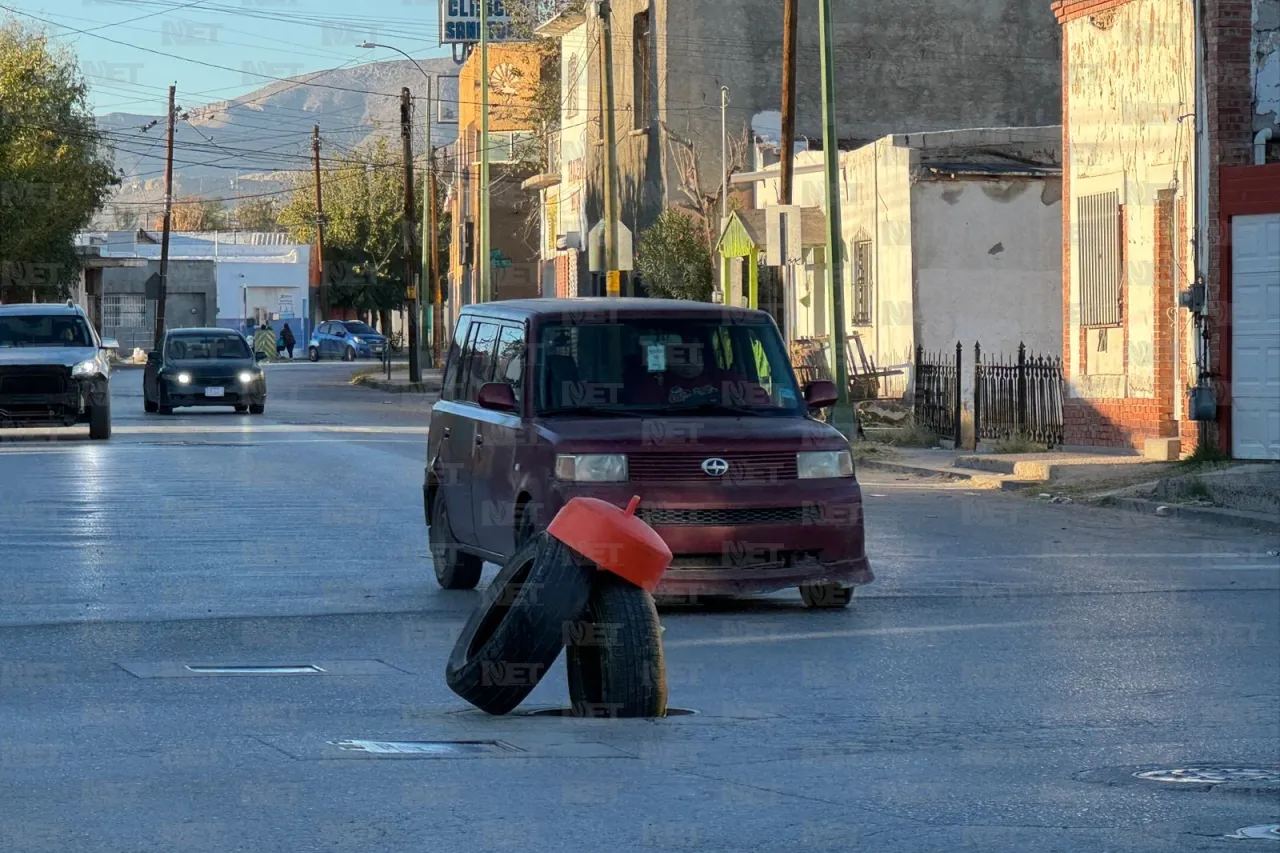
379,384
1211,514
975,479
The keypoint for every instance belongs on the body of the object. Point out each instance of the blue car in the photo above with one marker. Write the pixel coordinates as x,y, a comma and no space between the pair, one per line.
347,340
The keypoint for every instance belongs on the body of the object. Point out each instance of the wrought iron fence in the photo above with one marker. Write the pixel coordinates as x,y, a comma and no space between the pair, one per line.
937,392
1021,397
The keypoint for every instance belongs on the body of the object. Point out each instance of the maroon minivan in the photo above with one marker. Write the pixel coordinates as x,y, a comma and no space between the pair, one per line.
692,406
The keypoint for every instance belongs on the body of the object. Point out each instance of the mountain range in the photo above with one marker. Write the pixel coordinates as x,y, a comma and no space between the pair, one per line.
256,143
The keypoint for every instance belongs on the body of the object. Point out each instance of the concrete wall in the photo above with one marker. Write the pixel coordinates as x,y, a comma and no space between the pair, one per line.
191,284
266,281
1129,82
988,266
1266,66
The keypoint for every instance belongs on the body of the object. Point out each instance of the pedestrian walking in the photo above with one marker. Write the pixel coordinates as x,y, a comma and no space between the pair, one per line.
289,340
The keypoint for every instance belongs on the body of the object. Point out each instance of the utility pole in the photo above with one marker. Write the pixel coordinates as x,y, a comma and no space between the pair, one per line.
428,236
322,306
789,13
613,276
485,259
406,228
430,239
842,415
161,299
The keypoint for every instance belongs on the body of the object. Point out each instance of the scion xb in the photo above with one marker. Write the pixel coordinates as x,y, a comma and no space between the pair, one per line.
692,406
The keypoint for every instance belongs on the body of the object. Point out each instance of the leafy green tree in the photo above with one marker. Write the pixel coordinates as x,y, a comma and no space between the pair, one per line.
258,214
363,205
674,259
55,171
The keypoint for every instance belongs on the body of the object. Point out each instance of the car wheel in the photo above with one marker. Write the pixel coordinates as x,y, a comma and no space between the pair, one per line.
240,410
454,569
313,354
149,405
526,526
517,632
826,596
100,421
349,354
257,408
614,659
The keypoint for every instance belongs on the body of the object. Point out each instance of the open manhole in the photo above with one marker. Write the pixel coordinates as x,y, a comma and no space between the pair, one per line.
601,712
1212,775
425,748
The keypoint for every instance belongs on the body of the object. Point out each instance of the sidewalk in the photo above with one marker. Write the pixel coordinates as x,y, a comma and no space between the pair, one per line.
1238,494
376,378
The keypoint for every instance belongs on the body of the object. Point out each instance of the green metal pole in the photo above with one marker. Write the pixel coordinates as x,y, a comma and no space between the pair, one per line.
842,415
485,260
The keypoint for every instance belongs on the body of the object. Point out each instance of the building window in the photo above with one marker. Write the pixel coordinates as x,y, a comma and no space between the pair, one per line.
862,283
125,311
571,81
640,71
1100,258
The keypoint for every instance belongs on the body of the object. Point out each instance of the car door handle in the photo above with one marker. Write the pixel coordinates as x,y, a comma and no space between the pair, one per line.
445,431
479,439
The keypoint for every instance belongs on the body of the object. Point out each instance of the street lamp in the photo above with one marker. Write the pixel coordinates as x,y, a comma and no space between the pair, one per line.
427,276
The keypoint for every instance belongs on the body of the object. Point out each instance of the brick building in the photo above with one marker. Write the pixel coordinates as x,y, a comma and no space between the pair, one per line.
1160,170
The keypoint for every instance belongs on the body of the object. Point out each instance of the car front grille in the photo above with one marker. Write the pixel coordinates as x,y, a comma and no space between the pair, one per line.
755,468
732,517
25,381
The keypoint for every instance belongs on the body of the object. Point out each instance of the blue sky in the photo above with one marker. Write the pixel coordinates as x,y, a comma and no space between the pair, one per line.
164,42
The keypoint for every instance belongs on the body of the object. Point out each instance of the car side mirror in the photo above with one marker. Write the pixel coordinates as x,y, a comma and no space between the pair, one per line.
259,356
820,393
153,357
497,397
110,343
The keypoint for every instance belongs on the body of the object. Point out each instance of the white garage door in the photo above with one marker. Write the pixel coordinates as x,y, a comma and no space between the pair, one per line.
1255,348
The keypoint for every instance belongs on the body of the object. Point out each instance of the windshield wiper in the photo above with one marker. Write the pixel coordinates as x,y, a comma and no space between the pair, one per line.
716,407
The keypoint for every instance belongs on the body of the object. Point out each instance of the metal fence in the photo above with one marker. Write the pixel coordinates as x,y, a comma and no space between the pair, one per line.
937,397
1022,397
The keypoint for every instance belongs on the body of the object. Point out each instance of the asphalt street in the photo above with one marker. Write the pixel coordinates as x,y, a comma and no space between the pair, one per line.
997,688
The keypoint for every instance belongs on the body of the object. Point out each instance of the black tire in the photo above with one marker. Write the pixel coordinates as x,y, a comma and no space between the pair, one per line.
826,596
349,354
313,354
240,410
100,421
161,406
614,657
517,632
149,405
454,569
526,526
257,408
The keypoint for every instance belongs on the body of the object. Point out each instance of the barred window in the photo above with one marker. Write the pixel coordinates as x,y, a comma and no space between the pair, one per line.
1100,258
640,71
124,311
862,283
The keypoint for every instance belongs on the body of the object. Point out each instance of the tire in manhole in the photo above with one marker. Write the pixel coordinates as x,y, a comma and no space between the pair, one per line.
613,657
574,713
517,631
1207,774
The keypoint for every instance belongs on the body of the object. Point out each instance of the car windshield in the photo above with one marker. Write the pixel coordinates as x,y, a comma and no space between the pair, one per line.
360,329
46,330
191,347
668,365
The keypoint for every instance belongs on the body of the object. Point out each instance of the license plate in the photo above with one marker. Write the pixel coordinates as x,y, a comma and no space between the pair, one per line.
213,392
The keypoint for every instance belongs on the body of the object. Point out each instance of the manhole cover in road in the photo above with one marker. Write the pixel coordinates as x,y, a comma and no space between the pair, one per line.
305,669
1267,832
602,712
444,748
1211,775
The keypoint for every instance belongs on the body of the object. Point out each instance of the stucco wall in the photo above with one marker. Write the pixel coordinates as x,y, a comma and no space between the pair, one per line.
988,266
1129,83
283,275
190,284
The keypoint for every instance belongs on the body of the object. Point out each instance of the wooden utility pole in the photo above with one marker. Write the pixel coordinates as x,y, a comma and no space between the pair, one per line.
613,276
427,281
322,308
410,268
161,299
484,259
789,12
842,414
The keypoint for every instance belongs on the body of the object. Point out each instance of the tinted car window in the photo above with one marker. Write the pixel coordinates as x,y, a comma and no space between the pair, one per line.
207,346
452,387
510,358
660,364
45,331
358,328
481,361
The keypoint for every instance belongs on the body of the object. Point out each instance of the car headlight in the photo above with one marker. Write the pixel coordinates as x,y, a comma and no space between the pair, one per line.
85,368
246,377
824,464
356,340
592,468
184,378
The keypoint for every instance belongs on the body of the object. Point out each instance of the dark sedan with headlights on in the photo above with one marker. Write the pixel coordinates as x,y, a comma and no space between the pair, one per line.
204,367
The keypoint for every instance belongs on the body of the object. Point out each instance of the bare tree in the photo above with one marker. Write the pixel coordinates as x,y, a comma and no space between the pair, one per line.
703,203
